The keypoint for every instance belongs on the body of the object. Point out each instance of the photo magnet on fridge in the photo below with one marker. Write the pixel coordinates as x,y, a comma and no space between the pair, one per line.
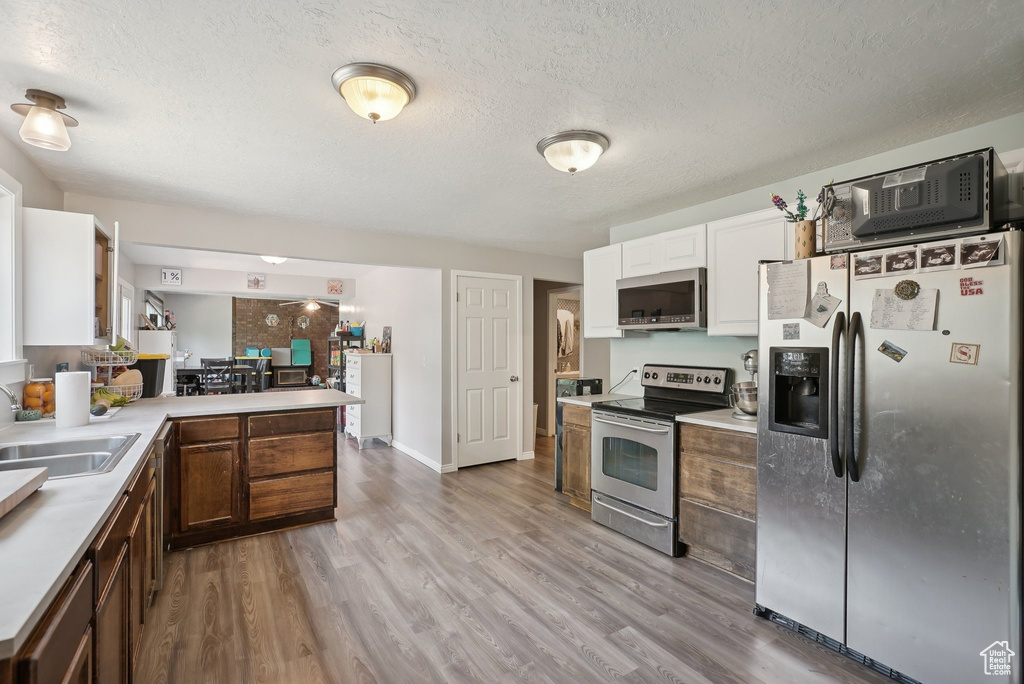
791,331
892,351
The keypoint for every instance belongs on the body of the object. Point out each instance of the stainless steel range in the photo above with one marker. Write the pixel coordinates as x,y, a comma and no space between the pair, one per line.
633,451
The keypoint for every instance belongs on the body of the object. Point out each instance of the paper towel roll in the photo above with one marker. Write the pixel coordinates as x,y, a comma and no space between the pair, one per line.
72,398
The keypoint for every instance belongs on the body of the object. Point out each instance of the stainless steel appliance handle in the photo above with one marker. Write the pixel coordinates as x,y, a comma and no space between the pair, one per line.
851,385
833,419
630,515
632,426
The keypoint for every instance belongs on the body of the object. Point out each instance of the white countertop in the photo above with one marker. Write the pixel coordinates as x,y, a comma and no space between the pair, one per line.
588,399
719,418
44,537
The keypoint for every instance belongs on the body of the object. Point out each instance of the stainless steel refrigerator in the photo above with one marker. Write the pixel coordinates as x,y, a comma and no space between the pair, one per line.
888,467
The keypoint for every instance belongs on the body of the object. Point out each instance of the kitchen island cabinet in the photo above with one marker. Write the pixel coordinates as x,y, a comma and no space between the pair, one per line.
718,497
243,474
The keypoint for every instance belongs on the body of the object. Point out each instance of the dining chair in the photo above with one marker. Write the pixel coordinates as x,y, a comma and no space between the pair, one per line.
218,377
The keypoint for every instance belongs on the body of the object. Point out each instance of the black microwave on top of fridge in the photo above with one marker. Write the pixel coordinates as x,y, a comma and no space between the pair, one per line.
960,195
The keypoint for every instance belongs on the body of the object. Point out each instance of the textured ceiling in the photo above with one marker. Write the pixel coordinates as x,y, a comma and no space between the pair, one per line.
228,104
153,255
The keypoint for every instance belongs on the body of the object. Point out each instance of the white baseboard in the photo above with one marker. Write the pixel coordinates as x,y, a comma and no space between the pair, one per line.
450,468
542,432
526,456
409,451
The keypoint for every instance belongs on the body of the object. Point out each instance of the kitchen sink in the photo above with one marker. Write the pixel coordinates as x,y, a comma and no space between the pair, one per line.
70,458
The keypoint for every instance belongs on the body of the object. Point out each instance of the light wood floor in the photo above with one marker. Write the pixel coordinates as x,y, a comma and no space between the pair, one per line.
485,575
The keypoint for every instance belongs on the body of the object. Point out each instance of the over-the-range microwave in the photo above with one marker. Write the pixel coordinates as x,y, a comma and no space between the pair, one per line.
666,301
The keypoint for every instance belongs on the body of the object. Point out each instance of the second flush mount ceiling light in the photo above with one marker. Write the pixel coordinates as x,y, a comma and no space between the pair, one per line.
44,126
374,91
573,151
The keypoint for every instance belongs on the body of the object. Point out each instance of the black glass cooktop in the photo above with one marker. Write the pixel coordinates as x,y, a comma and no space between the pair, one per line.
651,408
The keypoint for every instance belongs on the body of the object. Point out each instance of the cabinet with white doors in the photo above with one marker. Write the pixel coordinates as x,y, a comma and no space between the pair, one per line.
735,246
602,267
368,376
70,278
670,251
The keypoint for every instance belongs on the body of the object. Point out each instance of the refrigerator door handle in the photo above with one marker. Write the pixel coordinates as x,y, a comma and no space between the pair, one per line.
851,392
833,419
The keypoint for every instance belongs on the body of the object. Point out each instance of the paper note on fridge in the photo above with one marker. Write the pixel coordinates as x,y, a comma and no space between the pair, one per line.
822,306
788,283
889,312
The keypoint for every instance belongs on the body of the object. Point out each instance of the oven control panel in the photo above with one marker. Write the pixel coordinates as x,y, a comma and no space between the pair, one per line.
713,380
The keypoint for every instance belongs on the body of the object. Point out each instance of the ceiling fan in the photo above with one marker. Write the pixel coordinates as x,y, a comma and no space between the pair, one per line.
311,304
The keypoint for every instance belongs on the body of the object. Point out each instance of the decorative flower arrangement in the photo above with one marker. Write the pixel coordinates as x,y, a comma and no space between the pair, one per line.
801,207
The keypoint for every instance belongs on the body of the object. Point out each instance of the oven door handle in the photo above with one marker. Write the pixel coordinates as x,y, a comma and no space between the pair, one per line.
630,515
632,426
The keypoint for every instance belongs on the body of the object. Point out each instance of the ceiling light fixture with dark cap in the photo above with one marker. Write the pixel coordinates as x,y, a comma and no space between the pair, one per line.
44,126
572,151
374,91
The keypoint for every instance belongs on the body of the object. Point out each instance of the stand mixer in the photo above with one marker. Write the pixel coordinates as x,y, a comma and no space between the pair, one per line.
744,394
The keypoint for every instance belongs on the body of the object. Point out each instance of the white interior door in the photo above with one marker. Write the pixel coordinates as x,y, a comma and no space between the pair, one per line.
487,314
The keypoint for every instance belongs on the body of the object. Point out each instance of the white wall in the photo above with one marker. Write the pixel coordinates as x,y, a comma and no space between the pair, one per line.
213,281
177,226
1006,135
409,300
40,192
203,323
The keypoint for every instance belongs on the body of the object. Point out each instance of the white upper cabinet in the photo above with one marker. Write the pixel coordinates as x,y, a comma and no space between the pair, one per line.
70,277
685,248
735,246
671,251
601,268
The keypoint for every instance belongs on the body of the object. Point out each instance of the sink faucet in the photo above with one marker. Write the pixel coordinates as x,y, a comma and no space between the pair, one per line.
15,404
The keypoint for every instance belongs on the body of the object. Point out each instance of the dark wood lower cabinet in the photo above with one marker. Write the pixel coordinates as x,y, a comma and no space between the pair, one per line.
209,486
140,557
576,455
53,654
238,475
718,497
110,627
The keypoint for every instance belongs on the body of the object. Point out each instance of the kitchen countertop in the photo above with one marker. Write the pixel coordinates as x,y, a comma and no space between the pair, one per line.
588,399
44,537
719,418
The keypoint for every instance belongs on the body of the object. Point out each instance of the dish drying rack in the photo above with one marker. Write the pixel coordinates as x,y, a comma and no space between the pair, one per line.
104,358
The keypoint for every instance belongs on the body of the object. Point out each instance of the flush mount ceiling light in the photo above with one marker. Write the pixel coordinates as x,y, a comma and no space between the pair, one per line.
44,126
374,91
274,260
573,151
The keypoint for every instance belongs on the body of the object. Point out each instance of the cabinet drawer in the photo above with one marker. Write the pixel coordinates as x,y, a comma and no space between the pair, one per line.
719,484
194,430
105,550
354,411
53,650
725,445
290,454
352,423
272,424
576,415
353,375
288,495
353,361
730,538
353,388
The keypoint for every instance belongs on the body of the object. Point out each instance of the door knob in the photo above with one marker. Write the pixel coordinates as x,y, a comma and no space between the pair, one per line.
514,378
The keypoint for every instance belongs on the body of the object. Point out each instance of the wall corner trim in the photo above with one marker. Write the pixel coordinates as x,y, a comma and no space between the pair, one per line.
526,456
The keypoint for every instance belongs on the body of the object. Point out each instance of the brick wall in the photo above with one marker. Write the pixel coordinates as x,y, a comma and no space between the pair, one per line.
249,328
